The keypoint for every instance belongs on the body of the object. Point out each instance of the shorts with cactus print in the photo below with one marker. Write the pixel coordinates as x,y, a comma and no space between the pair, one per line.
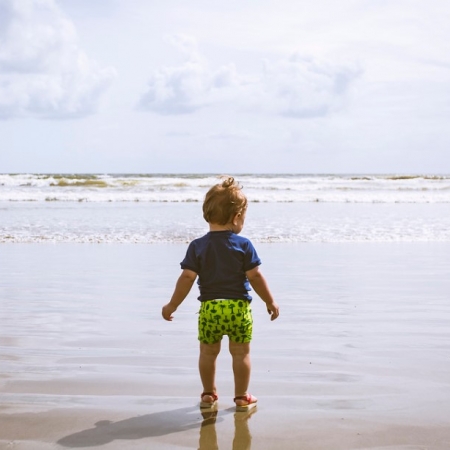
225,317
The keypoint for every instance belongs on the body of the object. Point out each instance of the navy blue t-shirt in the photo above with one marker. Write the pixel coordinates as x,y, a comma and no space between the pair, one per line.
221,258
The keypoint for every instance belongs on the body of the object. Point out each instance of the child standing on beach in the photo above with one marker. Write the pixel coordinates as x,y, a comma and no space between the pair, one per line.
226,265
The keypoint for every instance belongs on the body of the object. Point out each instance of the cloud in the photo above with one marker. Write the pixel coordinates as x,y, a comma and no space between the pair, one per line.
298,86
43,72
302,86
188,87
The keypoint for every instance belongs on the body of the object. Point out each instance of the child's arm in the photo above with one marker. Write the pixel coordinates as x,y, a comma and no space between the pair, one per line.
182,288
259,284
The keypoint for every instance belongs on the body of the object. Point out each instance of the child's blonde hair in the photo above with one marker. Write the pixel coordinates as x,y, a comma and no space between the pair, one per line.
223,201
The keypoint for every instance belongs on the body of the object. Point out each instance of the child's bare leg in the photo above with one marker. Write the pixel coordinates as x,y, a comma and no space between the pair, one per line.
240,353
207,366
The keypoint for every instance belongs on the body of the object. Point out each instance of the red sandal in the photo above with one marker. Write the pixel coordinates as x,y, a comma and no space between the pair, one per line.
204,404
249,398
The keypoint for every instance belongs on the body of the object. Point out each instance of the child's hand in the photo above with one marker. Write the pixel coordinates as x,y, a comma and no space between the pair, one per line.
167,312
273,310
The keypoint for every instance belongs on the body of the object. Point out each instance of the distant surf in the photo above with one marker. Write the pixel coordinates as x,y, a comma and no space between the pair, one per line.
272,188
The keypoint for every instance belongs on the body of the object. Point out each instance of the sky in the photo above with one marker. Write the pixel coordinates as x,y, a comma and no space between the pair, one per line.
236,86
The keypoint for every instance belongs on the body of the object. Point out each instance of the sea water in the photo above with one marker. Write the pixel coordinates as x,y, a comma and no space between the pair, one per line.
167,208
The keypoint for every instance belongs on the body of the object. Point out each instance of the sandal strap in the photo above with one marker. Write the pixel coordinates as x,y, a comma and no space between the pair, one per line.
246,397
211,394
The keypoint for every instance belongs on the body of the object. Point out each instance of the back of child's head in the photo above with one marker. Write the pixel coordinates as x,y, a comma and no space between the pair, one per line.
223,201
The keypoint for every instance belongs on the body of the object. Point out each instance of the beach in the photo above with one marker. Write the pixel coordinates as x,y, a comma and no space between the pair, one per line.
357,360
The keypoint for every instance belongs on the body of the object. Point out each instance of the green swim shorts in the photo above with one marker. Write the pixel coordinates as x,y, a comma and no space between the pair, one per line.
225,317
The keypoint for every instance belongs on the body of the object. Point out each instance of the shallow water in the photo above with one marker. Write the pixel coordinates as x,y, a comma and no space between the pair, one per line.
363,338
342,305
31,222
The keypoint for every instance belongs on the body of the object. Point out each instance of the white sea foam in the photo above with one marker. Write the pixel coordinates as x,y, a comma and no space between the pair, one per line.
192,188
181,222
167,208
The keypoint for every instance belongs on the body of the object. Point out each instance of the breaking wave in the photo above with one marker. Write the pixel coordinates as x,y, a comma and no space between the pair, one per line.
273,188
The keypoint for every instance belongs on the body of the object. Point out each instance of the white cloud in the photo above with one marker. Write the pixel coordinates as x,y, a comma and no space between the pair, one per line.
297,86
303,87
43,72
177,90
188,87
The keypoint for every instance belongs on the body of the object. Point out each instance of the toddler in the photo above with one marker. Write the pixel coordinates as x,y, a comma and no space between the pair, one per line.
226,265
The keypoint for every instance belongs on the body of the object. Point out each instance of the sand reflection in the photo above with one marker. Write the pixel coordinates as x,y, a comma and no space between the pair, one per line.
242,437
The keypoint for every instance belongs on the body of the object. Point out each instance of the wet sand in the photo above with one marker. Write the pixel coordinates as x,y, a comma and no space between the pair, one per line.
359,358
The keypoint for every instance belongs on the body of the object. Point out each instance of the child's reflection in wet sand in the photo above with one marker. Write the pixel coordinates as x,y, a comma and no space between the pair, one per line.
208,436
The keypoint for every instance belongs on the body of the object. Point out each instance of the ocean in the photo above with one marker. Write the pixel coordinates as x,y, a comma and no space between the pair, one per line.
359,265
166,208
